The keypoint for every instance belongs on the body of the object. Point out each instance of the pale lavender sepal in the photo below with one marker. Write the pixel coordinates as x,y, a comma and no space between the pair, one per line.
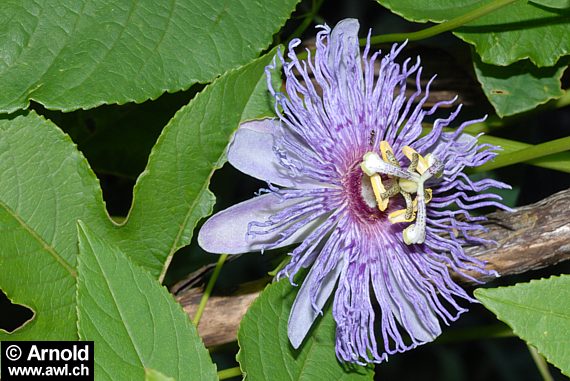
251,152
303,313
226,231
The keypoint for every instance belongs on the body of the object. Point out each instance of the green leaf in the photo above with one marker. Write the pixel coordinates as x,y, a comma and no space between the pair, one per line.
261,103
154,375
134,321
172,194
560,4
517,31
520,86
75,54
266,354
538,312
118,139
45,187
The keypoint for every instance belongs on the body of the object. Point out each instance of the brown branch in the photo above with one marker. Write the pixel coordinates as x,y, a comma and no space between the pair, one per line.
532,237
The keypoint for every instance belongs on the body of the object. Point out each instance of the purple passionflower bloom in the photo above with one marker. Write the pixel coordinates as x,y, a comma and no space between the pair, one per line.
352,179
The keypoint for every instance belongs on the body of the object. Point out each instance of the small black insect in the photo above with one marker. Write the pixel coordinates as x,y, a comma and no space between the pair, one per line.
372,138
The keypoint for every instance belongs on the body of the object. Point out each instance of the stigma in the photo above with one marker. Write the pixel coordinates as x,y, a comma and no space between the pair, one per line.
408,183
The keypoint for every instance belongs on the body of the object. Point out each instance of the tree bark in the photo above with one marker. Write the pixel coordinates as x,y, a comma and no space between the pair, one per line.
533,237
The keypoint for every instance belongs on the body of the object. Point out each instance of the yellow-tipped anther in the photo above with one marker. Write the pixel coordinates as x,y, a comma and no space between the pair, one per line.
378,189
400,216
428,195
385,148
408,185
423,164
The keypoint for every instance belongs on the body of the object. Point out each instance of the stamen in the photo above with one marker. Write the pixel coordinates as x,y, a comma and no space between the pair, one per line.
422,164
388,153
372,164
409,205
414,162
379,190
408,186
416,233
406,182
400,216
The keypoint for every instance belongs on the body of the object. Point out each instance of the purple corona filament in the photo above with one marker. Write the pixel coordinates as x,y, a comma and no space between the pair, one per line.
365,196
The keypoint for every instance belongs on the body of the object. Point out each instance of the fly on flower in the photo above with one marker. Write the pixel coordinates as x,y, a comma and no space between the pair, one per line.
364,194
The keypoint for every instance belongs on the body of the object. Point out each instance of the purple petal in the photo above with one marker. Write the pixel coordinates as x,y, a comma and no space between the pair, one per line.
251,151
303,313
226,231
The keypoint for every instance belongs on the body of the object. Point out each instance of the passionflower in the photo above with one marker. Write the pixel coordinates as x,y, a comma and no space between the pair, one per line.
364,193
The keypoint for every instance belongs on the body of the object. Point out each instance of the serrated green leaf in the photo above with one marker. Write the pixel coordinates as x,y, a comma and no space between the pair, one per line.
560,4
172,194
520,86
266,354
75,54
538,312
134,321
45,186
517,31
118,139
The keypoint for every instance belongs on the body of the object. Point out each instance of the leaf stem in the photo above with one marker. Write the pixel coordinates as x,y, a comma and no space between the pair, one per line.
209,288
532,152
540,363
229,373
440,28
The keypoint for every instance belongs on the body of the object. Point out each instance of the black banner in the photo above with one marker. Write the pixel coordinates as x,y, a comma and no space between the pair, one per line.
44,360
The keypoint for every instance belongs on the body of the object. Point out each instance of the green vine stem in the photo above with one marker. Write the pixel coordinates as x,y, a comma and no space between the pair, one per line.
229,373
526,154
440,28
540,363
209,288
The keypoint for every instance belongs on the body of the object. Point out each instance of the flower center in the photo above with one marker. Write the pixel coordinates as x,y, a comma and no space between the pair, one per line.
360,194
405,182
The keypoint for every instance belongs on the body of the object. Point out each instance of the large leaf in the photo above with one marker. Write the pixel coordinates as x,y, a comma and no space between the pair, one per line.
515,32
134,321
45,187
538,312
520,86
266,354
172,193
118,139
79,54
561,4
